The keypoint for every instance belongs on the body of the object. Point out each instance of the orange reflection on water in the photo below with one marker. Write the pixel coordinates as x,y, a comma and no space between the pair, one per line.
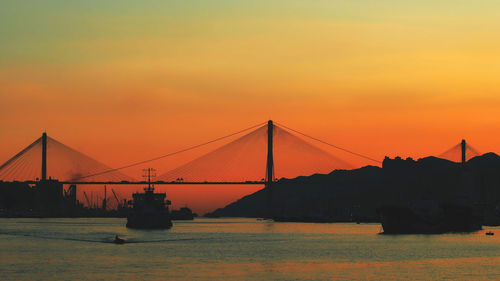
239,249
431,269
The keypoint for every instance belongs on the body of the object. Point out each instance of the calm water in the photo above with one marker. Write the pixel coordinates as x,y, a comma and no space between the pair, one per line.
238,249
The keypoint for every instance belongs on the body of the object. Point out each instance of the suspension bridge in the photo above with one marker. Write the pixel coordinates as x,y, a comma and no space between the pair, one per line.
254,156
239,162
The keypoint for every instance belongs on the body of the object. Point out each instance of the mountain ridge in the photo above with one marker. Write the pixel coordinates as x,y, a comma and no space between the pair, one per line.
348,195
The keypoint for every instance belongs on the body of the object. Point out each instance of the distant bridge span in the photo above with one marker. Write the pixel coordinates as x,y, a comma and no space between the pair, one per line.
14,169
21,168
87,171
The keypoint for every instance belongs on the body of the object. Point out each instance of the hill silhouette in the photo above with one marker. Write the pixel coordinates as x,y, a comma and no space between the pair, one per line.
355,195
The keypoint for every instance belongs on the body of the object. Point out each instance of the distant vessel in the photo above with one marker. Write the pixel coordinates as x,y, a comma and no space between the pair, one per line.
183,213
429,217
150,209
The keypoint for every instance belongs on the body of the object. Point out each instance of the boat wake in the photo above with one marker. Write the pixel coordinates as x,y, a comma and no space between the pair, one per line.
106,240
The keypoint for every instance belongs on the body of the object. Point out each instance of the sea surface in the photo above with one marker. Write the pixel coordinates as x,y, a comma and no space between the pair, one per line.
238,249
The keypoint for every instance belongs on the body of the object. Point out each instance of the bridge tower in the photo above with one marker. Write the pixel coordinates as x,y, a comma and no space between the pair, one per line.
270,168
44,156
270,160
464,148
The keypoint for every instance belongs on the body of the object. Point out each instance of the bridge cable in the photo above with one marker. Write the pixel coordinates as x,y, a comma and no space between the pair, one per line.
329,144
473,150
171,154
453,149
20,153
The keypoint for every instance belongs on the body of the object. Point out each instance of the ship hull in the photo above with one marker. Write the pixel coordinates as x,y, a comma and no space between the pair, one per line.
453,219
157,221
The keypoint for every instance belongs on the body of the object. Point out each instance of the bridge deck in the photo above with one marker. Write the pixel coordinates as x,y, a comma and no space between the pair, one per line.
158,182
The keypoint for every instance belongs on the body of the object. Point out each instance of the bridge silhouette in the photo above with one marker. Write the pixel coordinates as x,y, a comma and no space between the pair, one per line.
47,158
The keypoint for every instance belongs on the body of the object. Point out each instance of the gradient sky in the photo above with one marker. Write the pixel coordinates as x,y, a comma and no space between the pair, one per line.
127,80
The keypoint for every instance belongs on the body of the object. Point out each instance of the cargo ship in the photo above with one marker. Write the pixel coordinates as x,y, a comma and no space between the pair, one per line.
149,209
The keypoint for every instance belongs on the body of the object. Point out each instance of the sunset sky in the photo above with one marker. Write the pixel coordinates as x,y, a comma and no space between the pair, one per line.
124,81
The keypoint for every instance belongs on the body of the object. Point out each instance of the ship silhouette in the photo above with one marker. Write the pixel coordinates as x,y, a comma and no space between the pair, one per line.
149,209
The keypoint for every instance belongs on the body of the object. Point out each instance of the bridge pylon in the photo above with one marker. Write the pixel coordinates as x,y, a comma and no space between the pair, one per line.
270,168
464,149
44,156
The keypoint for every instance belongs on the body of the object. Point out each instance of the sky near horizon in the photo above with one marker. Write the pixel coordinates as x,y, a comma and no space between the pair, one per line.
128,80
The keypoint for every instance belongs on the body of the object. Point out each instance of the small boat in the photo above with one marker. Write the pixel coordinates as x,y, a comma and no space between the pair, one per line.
490,233
118,240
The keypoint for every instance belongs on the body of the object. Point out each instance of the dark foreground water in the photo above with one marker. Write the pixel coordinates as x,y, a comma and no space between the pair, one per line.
238,249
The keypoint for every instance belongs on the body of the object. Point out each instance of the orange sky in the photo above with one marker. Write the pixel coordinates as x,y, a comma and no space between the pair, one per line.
129,81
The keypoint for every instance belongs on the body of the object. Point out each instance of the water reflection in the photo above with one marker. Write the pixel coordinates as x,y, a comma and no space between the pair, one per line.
238,249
